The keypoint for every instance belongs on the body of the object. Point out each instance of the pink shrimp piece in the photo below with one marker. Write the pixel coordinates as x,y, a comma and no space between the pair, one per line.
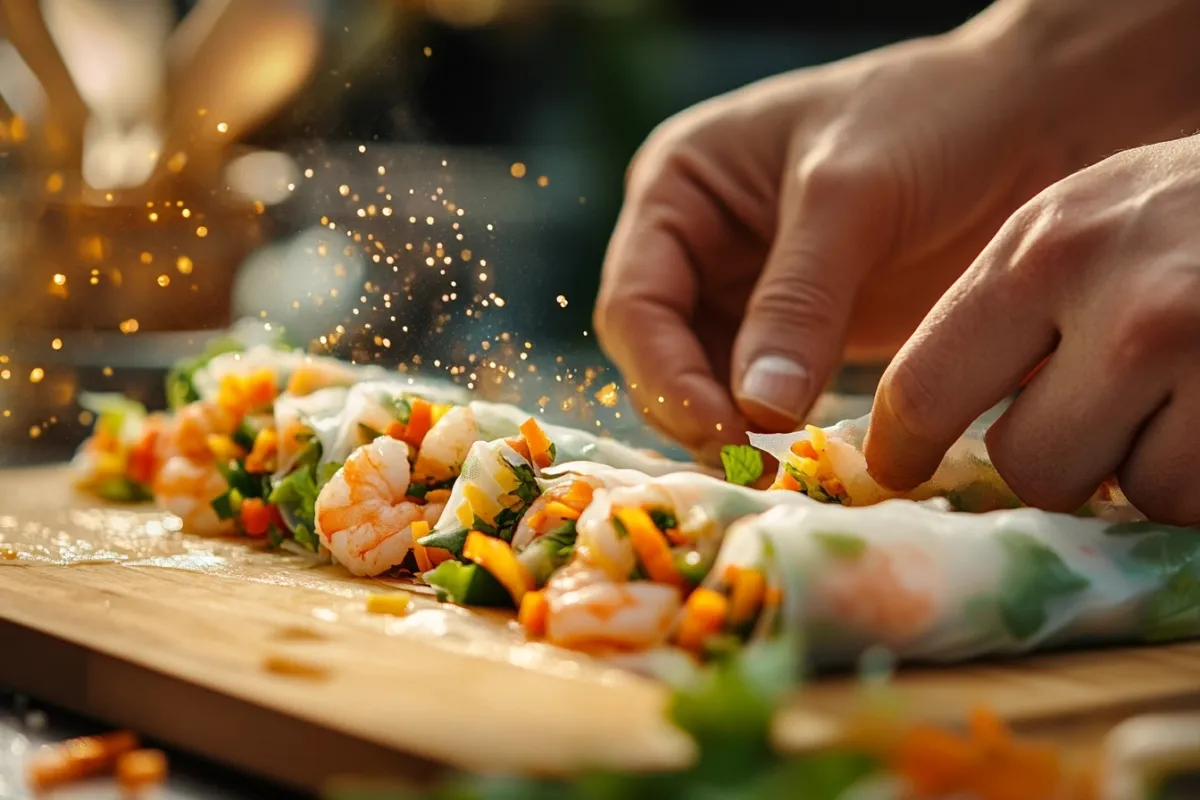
363,517
887,592
186,489
589,612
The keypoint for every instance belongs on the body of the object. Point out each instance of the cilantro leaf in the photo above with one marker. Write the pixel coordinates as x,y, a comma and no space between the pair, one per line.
1174,611
1034,577
743,464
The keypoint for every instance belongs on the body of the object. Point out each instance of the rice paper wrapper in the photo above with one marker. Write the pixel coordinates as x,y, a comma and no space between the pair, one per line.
937,586
500,421
966,477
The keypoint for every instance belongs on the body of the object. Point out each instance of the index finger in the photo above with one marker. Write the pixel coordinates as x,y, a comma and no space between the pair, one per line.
646,310
975,347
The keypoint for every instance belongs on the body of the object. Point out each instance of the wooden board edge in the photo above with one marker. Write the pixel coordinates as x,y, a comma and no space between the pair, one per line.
257,740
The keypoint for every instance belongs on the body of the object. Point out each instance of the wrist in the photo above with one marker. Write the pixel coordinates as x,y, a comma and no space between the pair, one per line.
1099,75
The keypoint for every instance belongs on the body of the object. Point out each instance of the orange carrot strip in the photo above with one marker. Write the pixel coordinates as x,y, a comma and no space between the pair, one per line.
497,557
749,588
703,616
562,510
141,769
650,546
539,443
935,762
397,430
537,521
256,516
532,616
988,730
519,444
141,464
804,448
78,758
786,483
420,529
437,496
579,495
420,420
261,458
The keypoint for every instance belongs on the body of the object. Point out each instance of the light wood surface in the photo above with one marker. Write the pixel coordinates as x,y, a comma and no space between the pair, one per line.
192,656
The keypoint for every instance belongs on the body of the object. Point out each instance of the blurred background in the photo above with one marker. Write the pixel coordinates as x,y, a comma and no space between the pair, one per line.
429,184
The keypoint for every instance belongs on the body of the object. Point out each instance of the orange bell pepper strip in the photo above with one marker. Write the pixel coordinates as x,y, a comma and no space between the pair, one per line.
703,617
419,530
257,516
651,548
535,609
539,443
142,464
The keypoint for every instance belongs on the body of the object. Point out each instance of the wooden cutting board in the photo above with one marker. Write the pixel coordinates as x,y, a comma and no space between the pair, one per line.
273,666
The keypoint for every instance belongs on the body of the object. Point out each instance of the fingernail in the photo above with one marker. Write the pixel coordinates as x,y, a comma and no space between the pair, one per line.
778,385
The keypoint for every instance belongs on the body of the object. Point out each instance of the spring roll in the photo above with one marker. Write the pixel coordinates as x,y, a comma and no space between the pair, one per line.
828,465
931,585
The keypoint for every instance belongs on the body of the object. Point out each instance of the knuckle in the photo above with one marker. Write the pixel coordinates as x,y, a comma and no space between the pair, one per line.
1156,318
825,179
912,399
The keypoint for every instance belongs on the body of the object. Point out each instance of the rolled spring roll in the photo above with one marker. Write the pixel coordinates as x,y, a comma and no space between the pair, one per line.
828,465
937,586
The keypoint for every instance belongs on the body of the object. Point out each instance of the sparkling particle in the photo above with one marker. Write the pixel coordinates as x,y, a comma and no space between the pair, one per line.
36,374
107,372
202,231
152,216
429,220
146,258
164,280
517,170
343,190
607,396
222,127
720,426
59,279
129,326
428,51
187,212
56,344
308,173
381,170
54,183
34,431
184,265
5,374
362,148
543,181
562,301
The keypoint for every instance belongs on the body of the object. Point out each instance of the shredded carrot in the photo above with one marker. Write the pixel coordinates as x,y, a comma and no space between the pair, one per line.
420,420
497,557
261,458
256,516
537,521
532,616
420,529
988,730
260,389
786,482
141,465
703,616
519,444
141,769
650,546
78,758
539,443
804,448
748,589
935,762
396,430
561,510
579,495
437,496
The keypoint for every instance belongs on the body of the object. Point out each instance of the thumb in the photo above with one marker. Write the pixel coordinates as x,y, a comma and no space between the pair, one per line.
792,335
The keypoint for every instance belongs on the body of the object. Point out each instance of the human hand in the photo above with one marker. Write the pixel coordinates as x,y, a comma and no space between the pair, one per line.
769,231
1101,272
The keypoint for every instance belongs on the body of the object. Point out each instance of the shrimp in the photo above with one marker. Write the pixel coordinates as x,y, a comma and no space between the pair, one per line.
560,503
890,593
587,611
186,434
362,515
185,488
445,447
605,546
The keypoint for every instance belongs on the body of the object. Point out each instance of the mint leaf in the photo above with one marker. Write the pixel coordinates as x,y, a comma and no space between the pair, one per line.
846,546
743,464
1034,577
1174,611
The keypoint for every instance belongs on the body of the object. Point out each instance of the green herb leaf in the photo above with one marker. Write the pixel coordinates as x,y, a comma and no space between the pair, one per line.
452,540
663,520
1174,611
467,584
1142,527
122,490
1034,577
399,407
1168,552
228,504
306,538
180,389
846,546
275,535
417,490
743,464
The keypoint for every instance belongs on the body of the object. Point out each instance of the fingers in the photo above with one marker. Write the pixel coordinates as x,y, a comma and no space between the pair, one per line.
1160,475
1072,426
646,310
985,335
790,343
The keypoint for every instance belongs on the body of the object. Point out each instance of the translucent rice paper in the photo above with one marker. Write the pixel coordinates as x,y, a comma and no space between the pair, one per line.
966,476
499,421
938,586
207,379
